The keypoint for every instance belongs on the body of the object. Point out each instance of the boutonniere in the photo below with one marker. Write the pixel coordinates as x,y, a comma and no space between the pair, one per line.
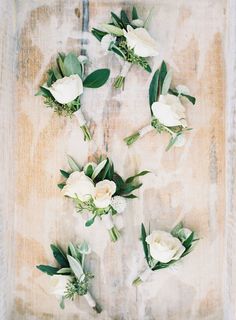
128,39
163,249
167,109
98,190
70,278
65,85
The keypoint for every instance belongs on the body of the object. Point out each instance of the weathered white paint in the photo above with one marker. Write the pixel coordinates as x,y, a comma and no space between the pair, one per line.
187,183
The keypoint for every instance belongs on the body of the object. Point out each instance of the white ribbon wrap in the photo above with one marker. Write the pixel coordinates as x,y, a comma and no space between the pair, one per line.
145,274
145,130
125,69
107,221
80,117
90,300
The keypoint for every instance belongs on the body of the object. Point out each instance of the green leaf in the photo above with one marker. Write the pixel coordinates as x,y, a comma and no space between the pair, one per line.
90,221
172,141
65,174
44,92
97,78
148,68
130,196
124,18
162,75
153,88
145,245
129,188
167,82
48,269
190,98
134,13
89,171
98,34
187,243
73,164
59,256
142,173
61,185
75,267
72,65
60,63
117,20
57,73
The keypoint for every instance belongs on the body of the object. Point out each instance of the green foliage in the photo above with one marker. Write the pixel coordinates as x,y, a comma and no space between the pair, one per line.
78,286
72,65
190,98
134,13
60,256
97,78
73,164
153,88
48,269
145,245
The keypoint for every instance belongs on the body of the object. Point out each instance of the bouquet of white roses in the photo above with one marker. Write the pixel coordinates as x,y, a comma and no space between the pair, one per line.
167,110
129,39
98,190
163,249
65,84
70,277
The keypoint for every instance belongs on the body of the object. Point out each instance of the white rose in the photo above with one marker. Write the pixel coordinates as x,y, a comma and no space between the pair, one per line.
103,193
79,184
118,203
67,89
58,284
169,111
141,41
106,41
164,247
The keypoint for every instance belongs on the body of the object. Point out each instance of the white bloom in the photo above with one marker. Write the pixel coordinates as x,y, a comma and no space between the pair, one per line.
106,41
169,111
180,141
137,23
103,193
79,184
58,284
118,203
164,247
67,89
141,41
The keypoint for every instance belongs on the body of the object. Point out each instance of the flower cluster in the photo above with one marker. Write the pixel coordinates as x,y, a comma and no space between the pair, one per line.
98,189
70,278
129,39
167,110
162,249
65,85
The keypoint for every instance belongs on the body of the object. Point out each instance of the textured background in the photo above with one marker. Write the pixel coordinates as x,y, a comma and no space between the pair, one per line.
197,39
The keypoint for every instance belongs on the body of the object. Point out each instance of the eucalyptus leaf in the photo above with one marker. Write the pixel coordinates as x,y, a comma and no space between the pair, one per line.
97,78
72,65
75,267
112,29
73,164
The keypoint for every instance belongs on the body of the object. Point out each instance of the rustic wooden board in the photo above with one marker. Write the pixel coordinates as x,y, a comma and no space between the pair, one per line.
187,183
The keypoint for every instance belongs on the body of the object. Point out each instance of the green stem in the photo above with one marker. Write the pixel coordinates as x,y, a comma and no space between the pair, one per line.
97,308
86,132
131,139
119,82
137,281
114,234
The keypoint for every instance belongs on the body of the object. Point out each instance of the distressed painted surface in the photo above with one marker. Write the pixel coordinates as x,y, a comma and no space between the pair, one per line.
186,183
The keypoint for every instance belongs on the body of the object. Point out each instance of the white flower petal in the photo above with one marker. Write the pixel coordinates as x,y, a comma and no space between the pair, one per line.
78,184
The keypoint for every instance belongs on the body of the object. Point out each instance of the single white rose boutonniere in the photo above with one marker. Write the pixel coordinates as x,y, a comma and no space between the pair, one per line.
129,39
65,85
162,249
70,277
97,189
167,109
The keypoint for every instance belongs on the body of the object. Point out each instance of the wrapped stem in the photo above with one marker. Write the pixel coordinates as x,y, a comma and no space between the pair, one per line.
143,276
120,80
112,229
134,137
83,125
92,303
